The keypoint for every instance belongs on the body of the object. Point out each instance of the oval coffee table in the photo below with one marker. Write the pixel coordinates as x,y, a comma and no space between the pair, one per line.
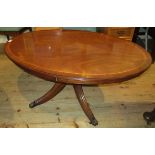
77,58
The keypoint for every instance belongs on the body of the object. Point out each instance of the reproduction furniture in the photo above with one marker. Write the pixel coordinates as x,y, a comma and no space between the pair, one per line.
93,29
46,28
76,58
126,33
13,31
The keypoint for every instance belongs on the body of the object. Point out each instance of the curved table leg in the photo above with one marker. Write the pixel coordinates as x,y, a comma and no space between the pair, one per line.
84,104
49,95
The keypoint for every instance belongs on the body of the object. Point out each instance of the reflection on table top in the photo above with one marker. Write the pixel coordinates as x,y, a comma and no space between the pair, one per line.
80,54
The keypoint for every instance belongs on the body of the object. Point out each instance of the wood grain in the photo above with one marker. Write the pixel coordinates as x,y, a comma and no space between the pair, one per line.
78,57
121,32
114,105
47,58
46,28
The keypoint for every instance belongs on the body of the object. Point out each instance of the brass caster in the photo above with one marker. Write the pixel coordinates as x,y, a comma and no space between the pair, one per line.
94,122
149,117
32,105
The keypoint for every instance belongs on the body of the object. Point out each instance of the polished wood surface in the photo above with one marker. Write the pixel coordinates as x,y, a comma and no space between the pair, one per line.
84,104
78,57
46,28
49,95
114,105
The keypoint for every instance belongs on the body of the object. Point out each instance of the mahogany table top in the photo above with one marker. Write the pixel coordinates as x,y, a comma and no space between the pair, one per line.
78,57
